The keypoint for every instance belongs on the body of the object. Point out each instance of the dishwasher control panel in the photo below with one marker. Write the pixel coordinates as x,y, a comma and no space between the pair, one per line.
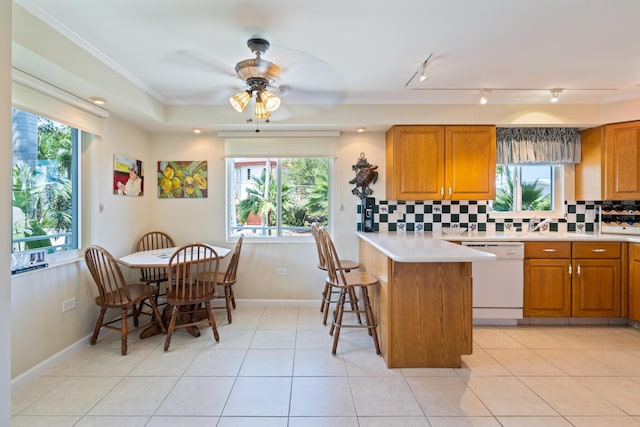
499,249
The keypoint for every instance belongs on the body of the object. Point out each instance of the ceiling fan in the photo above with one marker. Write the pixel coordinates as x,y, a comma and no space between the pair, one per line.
304,80
259,74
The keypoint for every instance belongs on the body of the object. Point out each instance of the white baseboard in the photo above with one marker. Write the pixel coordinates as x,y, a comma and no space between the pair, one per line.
26,377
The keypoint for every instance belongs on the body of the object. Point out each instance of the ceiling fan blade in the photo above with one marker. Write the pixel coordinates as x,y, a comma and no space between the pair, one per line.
319,97
199,59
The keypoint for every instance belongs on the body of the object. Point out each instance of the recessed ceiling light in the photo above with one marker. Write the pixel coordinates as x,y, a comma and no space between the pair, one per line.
97,100
196,130
360,130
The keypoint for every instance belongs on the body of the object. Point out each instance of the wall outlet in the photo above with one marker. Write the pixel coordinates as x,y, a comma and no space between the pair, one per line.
281,271
69,304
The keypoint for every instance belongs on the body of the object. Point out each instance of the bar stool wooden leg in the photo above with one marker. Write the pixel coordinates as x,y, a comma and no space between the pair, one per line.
336,325
371,323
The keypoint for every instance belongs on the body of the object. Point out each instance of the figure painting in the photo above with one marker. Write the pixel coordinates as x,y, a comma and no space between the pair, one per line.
128,176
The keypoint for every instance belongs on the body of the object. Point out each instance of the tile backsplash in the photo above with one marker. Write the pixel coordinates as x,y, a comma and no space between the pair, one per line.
432,215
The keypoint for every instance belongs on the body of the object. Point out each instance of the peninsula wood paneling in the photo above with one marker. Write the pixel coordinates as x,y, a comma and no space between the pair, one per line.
424,310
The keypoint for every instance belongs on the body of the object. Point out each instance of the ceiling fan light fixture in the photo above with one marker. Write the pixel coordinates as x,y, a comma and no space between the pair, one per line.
240,100
261,109
271,100
257,68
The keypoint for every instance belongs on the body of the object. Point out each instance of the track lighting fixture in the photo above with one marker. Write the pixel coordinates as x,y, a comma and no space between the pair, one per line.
483,96
421,71
554,95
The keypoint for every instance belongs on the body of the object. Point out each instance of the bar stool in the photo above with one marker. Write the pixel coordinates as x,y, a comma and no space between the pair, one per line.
329,293
347,283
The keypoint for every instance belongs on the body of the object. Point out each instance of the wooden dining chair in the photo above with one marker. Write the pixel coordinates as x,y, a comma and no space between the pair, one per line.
329,293
191,287
151,241
227,279
348,283
115,292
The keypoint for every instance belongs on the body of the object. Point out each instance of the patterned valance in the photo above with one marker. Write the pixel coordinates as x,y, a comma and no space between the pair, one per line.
537,145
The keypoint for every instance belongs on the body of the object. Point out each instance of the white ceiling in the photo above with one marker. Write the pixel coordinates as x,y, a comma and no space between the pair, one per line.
339,53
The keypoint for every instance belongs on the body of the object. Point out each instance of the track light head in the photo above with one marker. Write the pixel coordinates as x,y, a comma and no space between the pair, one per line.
555,93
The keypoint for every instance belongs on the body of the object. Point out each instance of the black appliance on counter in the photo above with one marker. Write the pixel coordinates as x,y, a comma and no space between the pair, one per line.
368,206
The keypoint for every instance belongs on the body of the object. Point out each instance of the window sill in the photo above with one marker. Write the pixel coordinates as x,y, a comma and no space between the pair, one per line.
528,215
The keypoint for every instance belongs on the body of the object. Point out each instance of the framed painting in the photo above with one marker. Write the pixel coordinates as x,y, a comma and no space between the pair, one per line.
128,176
179,179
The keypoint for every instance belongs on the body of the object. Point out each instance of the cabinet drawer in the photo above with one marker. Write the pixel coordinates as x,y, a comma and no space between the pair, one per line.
596,250
547,250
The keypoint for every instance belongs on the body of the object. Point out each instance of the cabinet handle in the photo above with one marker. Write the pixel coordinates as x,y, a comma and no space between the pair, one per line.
442,191
548,250
450,192
599,250
570,270
578,270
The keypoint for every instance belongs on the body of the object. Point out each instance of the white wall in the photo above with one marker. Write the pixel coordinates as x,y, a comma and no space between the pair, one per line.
39,327
5,206
204,219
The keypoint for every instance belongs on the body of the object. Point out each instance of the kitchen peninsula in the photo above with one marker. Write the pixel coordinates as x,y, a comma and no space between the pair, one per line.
424,301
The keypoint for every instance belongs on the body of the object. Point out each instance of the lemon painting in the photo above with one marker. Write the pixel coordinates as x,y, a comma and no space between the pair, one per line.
182,179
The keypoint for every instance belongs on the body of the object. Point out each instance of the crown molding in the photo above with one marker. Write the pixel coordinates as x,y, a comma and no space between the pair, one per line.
67,32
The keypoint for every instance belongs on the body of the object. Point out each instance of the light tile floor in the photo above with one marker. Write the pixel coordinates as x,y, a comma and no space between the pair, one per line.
273,368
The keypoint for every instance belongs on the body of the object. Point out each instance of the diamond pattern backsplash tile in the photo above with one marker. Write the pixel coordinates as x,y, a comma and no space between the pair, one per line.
432,215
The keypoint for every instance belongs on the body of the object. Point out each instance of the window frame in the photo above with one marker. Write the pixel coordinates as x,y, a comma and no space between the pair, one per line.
558,192
77,141
278,238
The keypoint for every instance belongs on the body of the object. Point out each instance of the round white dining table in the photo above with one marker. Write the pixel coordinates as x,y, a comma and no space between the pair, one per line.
159,258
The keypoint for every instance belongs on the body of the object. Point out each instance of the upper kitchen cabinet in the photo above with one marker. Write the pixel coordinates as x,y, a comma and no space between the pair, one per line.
610,165
441,163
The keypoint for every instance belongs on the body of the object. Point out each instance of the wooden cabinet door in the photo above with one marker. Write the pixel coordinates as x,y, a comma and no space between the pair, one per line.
634,281
470,163
622,154
415,162
547,288
596,288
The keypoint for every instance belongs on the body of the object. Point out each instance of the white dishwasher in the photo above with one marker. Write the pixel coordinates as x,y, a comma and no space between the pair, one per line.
498,287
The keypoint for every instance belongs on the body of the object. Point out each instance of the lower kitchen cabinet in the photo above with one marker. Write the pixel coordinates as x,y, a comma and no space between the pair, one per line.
547,279
579,279
596,286
547,288
634,281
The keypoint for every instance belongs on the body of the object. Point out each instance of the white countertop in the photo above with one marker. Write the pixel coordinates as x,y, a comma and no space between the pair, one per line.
418,247
435,247
533,236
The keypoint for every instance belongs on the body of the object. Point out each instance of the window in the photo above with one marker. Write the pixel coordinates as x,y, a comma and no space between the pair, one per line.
44,183
282,200
529,190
